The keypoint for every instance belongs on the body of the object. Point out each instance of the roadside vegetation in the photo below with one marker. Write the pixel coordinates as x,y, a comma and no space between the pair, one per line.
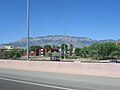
102,51
11,54
97,51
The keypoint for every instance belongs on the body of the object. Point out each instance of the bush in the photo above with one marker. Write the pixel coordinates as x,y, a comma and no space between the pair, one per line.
4,54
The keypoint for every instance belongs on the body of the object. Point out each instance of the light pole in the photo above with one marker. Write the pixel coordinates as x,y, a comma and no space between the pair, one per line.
65,18
60,53
28,17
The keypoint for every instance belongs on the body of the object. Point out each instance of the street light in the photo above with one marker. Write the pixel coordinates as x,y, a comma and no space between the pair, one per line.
28,17
65,18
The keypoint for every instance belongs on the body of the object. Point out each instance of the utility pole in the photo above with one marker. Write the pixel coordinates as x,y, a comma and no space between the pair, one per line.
28,17
65,19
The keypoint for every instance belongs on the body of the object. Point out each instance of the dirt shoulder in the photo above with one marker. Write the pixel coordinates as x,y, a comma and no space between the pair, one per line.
78,68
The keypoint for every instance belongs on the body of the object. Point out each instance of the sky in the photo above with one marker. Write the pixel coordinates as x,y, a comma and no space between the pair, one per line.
96,19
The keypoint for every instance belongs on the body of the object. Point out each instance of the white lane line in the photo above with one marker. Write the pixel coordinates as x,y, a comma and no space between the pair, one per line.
37,84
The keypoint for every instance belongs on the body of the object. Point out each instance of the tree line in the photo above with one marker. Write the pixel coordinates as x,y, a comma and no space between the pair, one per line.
15,54
97,51
11,54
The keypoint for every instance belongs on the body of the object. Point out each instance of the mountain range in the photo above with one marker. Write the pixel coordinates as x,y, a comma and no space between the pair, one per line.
58,40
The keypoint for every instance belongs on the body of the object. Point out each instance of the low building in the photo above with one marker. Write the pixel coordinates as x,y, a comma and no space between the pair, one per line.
42,52
118,44
9,48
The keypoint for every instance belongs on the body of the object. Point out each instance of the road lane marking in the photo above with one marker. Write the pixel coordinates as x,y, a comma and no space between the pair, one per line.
37,84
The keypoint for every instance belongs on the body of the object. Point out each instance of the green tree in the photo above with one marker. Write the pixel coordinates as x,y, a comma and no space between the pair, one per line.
77,51
14,54
55,54
71,49
33,48
64,51
102,51
48,46
22,52
49,54
84,52
4,54
56,46
64,46
115,55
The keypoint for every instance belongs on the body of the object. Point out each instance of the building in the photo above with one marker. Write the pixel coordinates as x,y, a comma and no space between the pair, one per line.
118,44
42,52
9,48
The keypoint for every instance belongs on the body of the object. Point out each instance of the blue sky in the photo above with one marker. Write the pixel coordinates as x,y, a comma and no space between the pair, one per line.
96,19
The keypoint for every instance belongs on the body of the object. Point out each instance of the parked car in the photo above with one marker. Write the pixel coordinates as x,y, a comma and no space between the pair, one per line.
54,58
114,61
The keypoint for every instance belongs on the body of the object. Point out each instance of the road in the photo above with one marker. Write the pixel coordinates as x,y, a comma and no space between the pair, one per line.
29,80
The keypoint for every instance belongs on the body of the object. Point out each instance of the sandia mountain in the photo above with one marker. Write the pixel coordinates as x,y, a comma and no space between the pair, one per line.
58,40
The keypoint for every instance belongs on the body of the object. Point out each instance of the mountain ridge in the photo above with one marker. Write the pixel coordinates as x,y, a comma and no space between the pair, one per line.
58,40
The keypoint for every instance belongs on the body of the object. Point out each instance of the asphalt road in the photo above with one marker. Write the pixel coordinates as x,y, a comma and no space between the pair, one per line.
28,80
